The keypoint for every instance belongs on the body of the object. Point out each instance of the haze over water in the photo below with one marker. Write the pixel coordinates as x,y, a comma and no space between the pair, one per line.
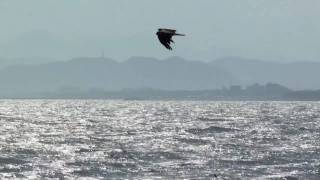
97,139
286,30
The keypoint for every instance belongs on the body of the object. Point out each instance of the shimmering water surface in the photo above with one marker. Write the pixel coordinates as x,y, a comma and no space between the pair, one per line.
88,139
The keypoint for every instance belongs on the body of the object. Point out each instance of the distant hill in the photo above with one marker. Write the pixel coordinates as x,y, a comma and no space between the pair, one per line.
175,73
86,73
7,62
298,75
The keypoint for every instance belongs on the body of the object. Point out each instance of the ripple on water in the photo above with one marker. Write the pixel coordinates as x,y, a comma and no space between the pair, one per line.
95,139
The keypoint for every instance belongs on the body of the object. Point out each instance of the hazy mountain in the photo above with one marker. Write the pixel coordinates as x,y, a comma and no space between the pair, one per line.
138,72
298,75
141,72
6,62
37,43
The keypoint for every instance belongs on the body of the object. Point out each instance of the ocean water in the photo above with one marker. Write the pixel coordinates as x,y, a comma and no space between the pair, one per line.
97,139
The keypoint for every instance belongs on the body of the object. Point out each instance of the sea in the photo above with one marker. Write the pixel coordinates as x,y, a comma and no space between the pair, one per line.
119,139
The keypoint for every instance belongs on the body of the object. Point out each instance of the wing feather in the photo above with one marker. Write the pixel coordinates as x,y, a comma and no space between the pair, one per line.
165,39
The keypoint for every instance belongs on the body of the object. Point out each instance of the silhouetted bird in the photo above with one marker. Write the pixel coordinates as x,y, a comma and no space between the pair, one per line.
165,37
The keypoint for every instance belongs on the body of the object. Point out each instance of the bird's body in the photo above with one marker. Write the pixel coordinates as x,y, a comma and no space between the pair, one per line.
165,37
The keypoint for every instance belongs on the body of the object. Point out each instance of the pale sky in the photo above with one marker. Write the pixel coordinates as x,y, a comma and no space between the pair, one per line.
277,30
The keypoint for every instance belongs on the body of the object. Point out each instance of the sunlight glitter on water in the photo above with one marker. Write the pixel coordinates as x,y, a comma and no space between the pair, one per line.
94,139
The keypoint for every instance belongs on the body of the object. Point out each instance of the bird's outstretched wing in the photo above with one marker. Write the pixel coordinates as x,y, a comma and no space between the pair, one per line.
169,31
165,39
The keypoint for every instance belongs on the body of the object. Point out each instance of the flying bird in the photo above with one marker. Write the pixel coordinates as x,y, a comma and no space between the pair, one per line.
165,37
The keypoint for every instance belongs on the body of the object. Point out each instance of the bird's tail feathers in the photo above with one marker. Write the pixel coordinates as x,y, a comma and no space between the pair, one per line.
176,34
